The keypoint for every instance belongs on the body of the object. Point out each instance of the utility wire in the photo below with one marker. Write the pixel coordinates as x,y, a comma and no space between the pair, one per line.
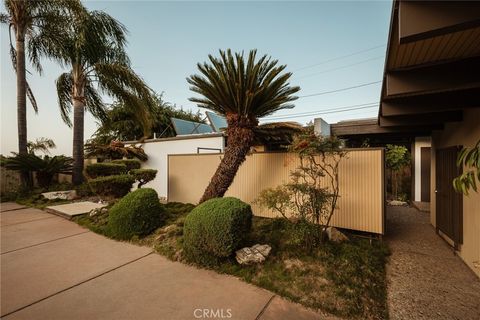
338,68
338,90
338,58
322,113
307,113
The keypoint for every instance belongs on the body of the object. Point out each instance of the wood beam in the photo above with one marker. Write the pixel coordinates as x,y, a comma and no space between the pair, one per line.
419,20
375,129
421,119
448,101
460,75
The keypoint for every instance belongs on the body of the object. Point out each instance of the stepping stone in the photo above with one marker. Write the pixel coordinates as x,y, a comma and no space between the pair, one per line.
71,210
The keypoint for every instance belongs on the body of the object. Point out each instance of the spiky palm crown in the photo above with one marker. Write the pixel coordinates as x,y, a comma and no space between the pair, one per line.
248,90
38,23
93,48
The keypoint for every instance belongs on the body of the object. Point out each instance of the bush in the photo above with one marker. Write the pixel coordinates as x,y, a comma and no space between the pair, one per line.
105,169
143,175
137,214
129,163
215,229
117,186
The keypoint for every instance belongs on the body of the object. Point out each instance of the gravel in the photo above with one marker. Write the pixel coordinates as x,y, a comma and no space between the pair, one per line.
426,280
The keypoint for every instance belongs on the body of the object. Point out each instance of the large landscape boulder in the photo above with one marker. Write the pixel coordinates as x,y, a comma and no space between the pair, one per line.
335,235
60,195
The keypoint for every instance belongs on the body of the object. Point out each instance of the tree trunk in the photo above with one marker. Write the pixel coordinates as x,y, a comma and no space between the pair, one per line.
22,103
240,138
78,119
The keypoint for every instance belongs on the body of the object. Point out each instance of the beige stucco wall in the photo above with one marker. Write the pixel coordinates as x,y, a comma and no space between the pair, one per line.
465,133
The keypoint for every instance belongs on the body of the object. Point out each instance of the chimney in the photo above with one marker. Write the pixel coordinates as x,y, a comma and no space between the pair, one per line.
321,127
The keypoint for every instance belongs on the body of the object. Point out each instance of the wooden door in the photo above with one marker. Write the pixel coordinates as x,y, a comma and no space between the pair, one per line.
425,174
449,210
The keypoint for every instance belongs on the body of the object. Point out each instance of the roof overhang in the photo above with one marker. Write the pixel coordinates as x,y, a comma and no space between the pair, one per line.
432,65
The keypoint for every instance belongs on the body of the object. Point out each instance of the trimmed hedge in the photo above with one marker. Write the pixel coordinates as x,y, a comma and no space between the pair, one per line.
143,175
103,169
137,214
129,163
117,185
215,229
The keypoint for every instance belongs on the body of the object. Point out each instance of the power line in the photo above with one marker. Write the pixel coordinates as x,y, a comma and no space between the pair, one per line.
307,113
322,113
341,57
338,90
338,68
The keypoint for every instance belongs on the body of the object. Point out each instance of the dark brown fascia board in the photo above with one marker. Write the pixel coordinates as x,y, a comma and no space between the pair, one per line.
427,19
373,129
422,119
445,77
393,18
447,101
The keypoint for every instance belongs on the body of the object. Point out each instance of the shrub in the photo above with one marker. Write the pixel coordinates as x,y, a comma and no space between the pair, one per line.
129,163
143,175
215,229
137,214
117,186
103,169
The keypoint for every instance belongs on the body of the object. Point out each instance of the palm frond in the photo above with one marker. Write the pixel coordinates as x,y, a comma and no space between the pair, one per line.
64,86
251,89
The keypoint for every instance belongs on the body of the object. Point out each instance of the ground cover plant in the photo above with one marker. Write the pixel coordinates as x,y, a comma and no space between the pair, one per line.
345,279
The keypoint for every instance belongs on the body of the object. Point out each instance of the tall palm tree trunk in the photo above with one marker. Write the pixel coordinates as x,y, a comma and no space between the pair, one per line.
240,138
21,96
22,102
78,120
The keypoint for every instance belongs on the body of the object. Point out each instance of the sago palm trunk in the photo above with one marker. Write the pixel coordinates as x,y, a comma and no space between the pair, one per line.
78,120
240,138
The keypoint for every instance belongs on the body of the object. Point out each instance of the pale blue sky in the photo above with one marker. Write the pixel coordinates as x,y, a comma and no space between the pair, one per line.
167,39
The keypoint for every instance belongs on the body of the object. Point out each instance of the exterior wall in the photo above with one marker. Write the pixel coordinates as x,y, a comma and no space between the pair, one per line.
465,133
420,142
158,151
361,202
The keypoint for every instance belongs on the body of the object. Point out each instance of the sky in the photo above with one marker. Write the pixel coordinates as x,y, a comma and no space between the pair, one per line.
327,45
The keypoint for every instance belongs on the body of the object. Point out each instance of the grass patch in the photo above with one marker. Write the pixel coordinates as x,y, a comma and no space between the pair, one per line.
346,279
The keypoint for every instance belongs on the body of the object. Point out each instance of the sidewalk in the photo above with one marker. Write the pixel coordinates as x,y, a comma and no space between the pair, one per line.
54,269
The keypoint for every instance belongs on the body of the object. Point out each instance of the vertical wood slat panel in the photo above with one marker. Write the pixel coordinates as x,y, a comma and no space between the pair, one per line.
360,206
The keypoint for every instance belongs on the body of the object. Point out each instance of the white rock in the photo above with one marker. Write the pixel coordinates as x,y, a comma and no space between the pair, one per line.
62,195
397,203
335,235
251,255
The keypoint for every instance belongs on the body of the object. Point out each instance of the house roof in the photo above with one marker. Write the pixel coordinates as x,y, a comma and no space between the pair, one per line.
432,64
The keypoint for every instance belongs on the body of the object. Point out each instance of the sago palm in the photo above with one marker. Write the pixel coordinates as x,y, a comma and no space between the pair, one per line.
93,49
35,26
242,91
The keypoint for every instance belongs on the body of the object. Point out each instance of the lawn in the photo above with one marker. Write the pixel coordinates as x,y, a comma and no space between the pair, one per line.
346,279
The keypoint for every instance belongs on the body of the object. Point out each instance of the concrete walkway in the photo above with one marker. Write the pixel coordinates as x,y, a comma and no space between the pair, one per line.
426,279
54,269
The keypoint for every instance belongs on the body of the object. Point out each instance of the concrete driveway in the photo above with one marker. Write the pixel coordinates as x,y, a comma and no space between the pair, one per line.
52,268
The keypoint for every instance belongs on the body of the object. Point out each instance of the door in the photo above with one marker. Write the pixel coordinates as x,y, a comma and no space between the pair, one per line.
425,174
449,211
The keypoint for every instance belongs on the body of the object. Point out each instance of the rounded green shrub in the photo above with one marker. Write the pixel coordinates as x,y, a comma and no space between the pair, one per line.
116,186
129,163
104,169
137,214
215,229
143,175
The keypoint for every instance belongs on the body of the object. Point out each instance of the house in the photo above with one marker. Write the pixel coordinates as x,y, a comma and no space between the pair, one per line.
198,138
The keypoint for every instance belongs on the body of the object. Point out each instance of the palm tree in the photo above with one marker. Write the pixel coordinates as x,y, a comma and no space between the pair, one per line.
94,51
243,93
35,25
